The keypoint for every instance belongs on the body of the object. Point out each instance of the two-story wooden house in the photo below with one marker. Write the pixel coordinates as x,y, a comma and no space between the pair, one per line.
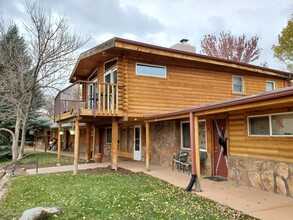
119,82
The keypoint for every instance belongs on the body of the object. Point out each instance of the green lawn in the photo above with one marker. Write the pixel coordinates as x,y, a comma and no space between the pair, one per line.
109,196
44,159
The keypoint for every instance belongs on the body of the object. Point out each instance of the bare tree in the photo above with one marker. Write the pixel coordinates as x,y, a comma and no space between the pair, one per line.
52,49
228,46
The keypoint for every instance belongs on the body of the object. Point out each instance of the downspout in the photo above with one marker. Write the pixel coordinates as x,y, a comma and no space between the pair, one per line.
194,178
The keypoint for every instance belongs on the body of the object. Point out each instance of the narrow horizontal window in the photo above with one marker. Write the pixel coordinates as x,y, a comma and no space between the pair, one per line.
151,70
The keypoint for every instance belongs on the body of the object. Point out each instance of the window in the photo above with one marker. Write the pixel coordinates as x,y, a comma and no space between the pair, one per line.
259,125
270,85
185,135
108,135
271,125
238,84
151,70
109,64
111,76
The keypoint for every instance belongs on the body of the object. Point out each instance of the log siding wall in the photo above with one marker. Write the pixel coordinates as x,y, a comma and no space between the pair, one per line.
184,87
268,148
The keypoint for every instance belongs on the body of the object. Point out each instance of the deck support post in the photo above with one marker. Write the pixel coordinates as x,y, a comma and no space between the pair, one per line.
94,143
59,146
195,154
87,141
76,147
147,151
114,152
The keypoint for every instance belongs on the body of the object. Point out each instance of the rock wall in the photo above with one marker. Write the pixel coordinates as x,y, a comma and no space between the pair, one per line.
164,141
266,175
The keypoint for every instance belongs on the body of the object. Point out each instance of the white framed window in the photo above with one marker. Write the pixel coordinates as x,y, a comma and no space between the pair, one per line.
151,70
111,76
270,85
185,135
280,124
108,135
237,84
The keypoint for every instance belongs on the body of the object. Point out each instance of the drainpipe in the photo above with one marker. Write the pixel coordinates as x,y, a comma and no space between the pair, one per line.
194,177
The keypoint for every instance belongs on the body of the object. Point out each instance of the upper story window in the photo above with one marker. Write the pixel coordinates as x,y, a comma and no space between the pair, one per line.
270,85
151,70
111,76
271,125
238,84
109,64
185,135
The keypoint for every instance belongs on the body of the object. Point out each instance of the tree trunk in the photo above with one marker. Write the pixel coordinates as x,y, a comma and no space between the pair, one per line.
24,124
16,133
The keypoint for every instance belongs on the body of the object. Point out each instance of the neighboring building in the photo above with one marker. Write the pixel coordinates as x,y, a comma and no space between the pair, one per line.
117,84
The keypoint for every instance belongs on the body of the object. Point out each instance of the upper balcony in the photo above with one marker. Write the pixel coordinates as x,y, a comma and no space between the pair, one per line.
85,98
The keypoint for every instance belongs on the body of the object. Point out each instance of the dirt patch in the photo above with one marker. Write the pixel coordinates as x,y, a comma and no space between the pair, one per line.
108,169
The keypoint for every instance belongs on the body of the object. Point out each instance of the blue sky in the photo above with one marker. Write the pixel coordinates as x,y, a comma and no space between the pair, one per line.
165,22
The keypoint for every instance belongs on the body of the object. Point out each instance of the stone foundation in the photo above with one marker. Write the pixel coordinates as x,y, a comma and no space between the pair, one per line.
266,175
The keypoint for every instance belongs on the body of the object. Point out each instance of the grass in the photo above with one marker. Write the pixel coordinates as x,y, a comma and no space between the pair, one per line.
109,196
45,159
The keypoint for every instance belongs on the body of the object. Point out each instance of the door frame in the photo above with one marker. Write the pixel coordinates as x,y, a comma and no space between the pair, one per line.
137,154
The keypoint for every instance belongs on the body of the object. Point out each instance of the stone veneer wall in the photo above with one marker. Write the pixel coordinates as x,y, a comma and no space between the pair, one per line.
272,176
164,141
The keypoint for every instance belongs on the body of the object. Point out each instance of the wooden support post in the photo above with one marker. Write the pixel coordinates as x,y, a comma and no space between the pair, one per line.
76,147
59,146
94,143
197,149
87,141
195,154
147,151
114,152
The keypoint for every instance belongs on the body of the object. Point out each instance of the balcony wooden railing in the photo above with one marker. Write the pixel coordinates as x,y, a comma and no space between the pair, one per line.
85,96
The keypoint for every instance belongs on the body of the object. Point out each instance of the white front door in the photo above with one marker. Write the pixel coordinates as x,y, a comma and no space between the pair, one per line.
137,143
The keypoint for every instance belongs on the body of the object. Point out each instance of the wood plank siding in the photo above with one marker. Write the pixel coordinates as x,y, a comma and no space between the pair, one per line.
184,87
268,148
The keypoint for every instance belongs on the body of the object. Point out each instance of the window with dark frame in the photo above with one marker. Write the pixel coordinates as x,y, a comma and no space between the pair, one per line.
185,135
108,135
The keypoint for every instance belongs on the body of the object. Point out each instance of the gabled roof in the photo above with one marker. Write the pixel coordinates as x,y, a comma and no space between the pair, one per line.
114,47
286,92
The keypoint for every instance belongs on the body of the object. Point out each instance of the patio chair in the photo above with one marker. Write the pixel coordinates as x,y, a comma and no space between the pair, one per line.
180,160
